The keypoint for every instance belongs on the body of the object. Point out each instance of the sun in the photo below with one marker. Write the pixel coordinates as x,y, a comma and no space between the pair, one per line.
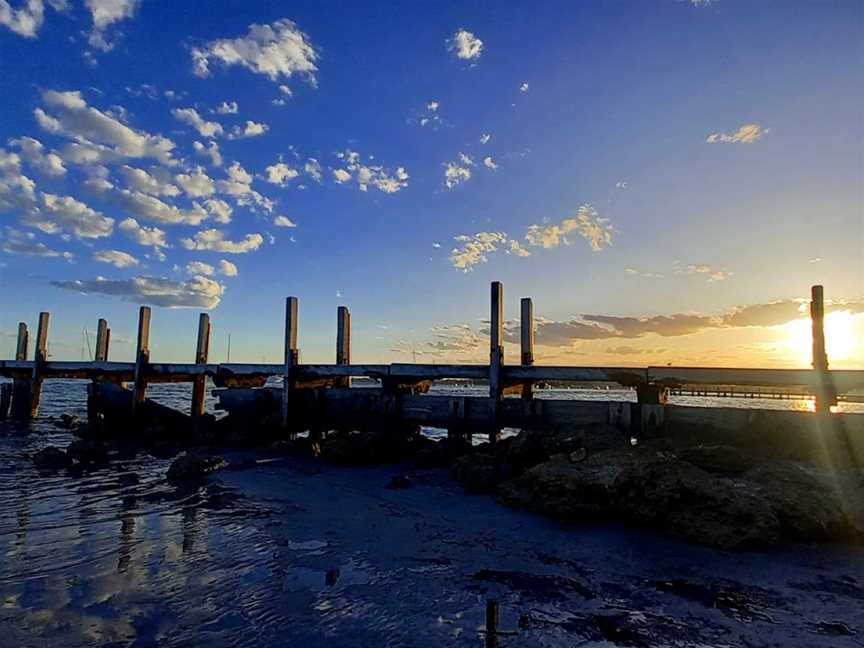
841,340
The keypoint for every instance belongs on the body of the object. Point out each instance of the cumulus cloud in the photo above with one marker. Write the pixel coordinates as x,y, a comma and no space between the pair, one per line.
485,137
458,171
280,174
228,108
227,268
367,175
147,236
98,137
190,117
58,214
238,185
211,151
523,87
106,13
214,240
17,191
747,134
219,210
116,258
284,221
27,19
278,51
586,223
33,152
197,292
712,274
475,248
250,129
200,268
313,168
196,184
153,209
157,184
17,242
465,45
489,163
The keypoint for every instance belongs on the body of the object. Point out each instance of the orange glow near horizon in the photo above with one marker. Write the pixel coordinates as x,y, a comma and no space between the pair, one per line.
841,341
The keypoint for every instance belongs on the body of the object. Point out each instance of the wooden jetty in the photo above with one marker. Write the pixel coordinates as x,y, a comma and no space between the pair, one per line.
320,395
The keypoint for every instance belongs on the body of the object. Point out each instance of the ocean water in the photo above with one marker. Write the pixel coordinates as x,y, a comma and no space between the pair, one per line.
303,554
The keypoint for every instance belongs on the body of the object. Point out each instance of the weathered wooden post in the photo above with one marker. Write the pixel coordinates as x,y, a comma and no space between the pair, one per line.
291,355
5,399
21,386
825,395
493,618
202,351
39,358
527,342
496,358
103,334
343,342
142,357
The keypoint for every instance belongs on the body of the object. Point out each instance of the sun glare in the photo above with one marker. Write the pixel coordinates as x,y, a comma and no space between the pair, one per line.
840,338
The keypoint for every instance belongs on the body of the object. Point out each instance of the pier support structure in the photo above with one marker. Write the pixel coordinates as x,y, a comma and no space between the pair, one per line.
825,392
142,357
202,351
343,342
496,358
526,322
292,356
39,358
21,386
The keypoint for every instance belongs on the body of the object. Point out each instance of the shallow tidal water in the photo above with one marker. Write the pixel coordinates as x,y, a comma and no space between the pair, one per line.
299,553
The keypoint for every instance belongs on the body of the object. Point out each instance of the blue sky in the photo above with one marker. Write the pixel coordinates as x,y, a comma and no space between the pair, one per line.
694,166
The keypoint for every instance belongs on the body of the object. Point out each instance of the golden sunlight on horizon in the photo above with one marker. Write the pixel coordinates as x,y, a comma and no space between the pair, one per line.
841,340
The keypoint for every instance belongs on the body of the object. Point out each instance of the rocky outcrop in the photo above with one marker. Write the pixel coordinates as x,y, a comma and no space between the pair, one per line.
739,504
194,467
52,458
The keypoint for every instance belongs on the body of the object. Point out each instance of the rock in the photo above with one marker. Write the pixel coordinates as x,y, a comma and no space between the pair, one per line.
69,421
399,481
164,450
52,458
477,472
809,505
578,455
88,452
194,466
722,459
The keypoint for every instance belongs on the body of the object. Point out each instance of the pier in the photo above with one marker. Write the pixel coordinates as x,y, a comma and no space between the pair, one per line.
320,396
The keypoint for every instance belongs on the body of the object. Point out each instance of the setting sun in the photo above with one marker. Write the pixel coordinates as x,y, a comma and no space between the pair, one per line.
840,337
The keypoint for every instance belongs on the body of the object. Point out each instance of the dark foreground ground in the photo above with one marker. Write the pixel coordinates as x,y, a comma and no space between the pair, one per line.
299,553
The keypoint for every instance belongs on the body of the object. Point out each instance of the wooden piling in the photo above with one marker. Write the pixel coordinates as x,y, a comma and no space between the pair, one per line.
343,342
5,400
825,393
21,386
102,337
496,357
39,358
291,355
527,342
202,351
142,357
493,618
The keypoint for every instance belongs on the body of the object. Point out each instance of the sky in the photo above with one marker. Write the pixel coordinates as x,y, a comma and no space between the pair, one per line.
666,179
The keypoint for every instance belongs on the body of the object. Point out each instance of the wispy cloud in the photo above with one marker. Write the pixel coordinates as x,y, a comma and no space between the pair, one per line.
116,258
213,239
367,174
747,134
197,292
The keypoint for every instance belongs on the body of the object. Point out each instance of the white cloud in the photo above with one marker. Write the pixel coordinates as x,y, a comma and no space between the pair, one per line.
27,20
150,208
197,292
474,249
157,184
211,151
58,214
228,108
313,168
458,171
278,50
17,191
215,240
713,274
97,136
116,258
251,129
33,152
196,184
105,13
191,117
239,186
17,242
747,134
147,236
280,174
219,210
523,87
621,184
227,268
465,45
369,175
284,221
484,138
200,268
587,224
433,106
489,163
